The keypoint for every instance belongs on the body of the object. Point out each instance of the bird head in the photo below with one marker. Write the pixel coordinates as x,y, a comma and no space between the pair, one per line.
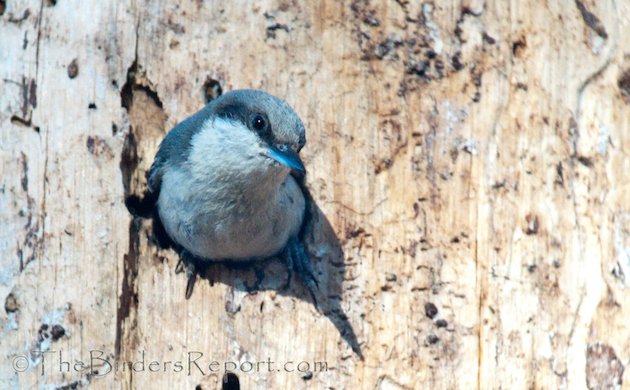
270,130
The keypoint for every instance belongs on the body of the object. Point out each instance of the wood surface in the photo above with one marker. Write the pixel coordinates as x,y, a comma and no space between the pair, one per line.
469,162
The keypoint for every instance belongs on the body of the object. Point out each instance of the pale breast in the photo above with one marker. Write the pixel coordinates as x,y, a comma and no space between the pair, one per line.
236,228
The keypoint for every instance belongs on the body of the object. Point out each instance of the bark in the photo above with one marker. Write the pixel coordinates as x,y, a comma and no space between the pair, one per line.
468,161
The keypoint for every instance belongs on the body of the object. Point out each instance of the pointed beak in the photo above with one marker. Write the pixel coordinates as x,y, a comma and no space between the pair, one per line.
286,156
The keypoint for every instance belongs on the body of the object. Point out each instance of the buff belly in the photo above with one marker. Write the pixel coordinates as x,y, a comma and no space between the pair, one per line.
248,228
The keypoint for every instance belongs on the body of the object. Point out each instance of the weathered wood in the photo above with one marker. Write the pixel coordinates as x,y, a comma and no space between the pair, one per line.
469,159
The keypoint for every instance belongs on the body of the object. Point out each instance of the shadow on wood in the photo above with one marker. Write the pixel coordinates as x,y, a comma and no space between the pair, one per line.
322,245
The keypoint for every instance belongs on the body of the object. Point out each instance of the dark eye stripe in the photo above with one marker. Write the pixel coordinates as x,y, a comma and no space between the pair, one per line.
259,123
256,121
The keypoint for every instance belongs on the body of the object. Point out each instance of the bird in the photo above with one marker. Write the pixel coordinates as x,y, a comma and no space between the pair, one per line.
228,185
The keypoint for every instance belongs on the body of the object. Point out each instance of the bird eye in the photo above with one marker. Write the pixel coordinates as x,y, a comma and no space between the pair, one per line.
258,122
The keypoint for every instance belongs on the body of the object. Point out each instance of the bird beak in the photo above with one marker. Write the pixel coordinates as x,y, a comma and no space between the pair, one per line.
286,156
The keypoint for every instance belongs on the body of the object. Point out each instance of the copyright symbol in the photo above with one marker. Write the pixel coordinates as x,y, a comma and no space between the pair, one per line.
20,363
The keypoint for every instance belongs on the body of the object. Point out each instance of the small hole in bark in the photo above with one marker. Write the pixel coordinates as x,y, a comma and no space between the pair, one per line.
432,339
586,161
92,106
488,39
441,323
532,224
518,47
624,85
16,120
10,304
211,89
73,69
57,332
51,3
230,382
430,310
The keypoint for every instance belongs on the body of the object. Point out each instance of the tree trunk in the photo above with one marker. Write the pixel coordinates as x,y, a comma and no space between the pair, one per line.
468,161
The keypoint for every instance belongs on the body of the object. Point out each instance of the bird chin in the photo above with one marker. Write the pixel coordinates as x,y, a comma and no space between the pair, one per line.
277,167
280,169
276,172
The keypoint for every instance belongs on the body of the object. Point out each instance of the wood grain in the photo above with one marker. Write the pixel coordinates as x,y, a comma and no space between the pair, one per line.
469,162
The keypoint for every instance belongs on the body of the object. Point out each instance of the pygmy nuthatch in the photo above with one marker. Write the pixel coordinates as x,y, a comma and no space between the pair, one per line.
225,184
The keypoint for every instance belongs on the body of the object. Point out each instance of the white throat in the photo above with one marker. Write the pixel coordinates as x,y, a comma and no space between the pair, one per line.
229,159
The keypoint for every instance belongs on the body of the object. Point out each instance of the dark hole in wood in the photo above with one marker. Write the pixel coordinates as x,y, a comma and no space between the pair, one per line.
230,382
211,89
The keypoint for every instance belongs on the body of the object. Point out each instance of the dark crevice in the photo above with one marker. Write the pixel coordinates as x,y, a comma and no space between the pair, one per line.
230,382
624,85
20,19
73,69
591,20
40,243
132,85
32,94
586,161
128,298
29,102
137,205
152,94
57,332
39,36
271,30
24,163
133,98
519,46
211,89
70,386
126,93
16,120
11,304
129,161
